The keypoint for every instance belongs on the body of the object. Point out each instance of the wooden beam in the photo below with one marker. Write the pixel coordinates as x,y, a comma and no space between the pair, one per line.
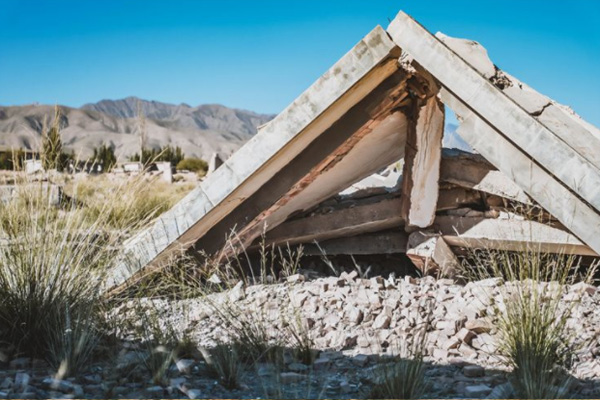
420,183
508,234
450,199
390,242
473,172
373,217
365,215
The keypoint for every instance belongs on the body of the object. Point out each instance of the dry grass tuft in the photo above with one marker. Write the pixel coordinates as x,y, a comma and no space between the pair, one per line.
532,318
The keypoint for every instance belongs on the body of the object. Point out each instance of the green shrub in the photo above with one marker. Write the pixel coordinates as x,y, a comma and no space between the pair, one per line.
532,318
193,164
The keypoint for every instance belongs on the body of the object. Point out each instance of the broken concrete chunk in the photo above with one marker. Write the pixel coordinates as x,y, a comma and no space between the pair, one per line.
472,52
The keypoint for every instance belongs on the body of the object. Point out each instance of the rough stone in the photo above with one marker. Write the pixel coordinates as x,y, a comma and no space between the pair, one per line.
477,391
291,377
473,371
478,326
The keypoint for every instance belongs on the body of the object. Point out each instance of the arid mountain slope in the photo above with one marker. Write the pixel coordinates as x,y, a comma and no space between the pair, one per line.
199,131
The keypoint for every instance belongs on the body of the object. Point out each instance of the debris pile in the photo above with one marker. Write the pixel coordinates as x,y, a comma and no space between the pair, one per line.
355,323
356,164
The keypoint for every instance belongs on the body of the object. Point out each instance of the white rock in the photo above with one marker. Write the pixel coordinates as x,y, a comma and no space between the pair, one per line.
382,321
195,394
296,278
478,326
237,292
465,335
185,365
21,381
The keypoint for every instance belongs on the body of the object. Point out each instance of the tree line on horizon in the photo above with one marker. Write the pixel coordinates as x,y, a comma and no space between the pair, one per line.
53,156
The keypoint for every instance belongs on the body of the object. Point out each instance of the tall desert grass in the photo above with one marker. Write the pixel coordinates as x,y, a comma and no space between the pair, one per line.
53,259
532,316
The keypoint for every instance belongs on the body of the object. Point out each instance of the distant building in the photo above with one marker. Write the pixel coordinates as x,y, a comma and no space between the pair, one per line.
33,166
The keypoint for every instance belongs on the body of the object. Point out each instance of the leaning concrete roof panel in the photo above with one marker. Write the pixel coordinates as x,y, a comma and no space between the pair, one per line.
555,163
503,113
344,85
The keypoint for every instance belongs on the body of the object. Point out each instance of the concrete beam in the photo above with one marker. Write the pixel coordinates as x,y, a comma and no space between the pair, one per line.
373,217
509,235
490,104
576,215
473,172
420,183
365,215
430,253
561,120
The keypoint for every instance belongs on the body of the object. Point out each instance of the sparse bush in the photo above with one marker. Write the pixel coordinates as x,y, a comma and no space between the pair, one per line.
193,164
532,319
226,364
404,376
402,379
534,339
159,345
299,339
52,265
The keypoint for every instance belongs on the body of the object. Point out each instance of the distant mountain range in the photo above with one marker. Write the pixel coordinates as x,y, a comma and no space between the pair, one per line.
199,131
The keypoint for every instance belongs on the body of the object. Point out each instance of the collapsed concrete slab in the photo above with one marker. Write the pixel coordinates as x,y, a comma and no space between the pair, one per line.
283,154
382,104
549,161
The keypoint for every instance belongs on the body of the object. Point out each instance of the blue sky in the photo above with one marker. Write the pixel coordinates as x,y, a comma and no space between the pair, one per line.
260,55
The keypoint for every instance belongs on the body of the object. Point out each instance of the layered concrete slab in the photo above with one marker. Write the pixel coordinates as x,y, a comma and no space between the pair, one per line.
547,158
509,234
566,161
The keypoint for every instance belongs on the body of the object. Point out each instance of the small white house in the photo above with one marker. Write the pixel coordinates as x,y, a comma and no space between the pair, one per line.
133,166
33,166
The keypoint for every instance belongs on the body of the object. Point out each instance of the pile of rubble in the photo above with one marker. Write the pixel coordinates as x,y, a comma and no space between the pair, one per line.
356,324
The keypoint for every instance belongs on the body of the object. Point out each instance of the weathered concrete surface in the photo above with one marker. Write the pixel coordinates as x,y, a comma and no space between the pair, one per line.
574,169
431,254
54,193
370,217
343,86
510,234
561,120
561,176
577,215
423,154
356,120
214,163
472,171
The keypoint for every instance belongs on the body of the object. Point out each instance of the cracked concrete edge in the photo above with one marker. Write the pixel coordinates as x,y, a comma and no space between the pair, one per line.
560,119
508,118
